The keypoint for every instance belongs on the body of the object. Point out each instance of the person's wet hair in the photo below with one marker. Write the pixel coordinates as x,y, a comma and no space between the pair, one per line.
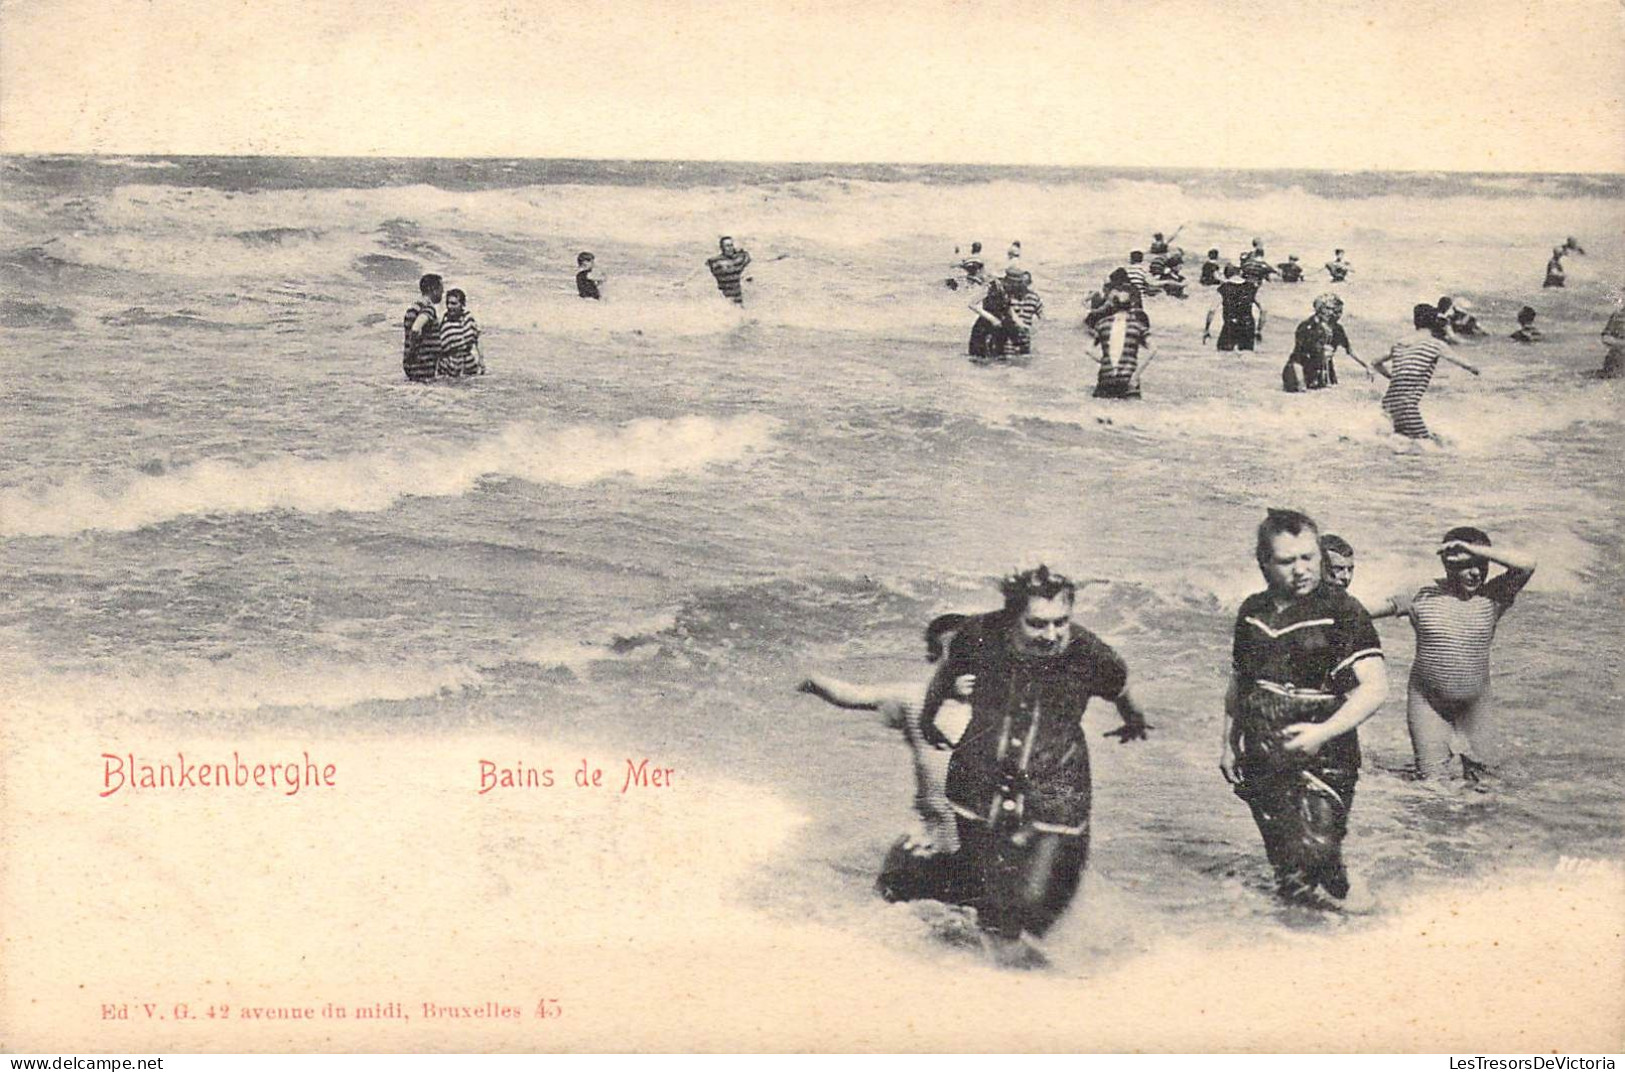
583,257
1136,256
1526,315
976,247
1336,545
1037,583
724,238
430,283
454,292
1282,523
1467,534
942,625
1212,253
1427,318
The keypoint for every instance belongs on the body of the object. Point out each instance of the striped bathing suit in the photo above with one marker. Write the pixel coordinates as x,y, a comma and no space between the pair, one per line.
420,355
728,271
1453,635
1120,338
1023,312
457,339
1411,365
1140,278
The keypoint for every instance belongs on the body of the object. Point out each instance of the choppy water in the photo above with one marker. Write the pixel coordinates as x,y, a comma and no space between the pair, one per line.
656,514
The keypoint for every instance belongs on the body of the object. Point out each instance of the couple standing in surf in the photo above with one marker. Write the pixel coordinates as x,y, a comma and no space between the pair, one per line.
437,346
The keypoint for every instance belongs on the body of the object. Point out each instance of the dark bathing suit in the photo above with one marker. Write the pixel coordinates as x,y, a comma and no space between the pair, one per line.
1019,778
1312,353
585,287
1296,665
1240,328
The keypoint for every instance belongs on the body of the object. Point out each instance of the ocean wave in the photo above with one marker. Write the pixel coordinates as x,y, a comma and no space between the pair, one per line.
382,268
642,450
34,315
35,264
137,317
277,236
234,686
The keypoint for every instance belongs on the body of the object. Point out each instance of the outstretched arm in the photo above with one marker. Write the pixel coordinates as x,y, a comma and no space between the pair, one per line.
842,693
1454,360
1134,724
1148,354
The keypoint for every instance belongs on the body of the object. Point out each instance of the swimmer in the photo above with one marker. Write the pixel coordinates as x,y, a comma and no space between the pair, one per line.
1138,274
1337,558
1554,269
1238,299
1527,331
1458,315
1019,780
1165,273
1159,244
1123,332
1307,670
1338,268
420,349
972,266
1455,619
1413,362
728,266
587,279
1311,366
460,353
1008,310
920,865
1290,270
1212,269
1255,269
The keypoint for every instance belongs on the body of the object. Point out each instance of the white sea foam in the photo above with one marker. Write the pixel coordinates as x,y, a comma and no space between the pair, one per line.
641,450
244,684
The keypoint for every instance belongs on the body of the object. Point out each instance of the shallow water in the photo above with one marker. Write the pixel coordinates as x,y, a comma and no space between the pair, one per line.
656,513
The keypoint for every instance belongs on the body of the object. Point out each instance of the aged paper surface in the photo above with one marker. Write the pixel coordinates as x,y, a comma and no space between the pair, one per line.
541,822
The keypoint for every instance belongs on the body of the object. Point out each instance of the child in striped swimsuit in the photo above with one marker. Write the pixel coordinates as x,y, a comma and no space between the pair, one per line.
459,339
1413,361
1455,619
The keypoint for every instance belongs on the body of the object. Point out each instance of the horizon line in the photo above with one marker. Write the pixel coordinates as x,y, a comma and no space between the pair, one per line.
1205,168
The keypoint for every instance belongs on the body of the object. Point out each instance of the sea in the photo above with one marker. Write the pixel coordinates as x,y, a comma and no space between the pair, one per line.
224,508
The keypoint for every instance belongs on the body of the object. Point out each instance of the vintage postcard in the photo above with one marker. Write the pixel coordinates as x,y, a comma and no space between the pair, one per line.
811,527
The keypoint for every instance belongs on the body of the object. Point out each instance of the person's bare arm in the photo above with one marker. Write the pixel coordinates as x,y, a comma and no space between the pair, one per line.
1368,694
1454,360
980,309
1230,740
1134,725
